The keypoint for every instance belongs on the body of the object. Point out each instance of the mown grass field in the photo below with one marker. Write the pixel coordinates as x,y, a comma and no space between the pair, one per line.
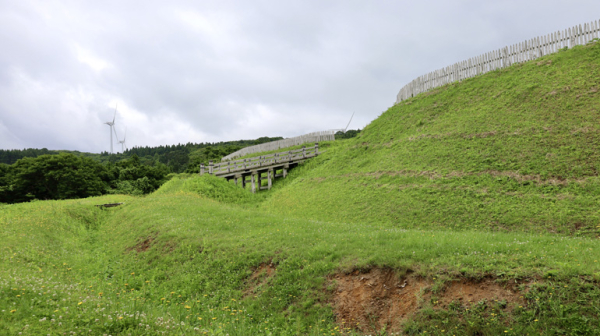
491,182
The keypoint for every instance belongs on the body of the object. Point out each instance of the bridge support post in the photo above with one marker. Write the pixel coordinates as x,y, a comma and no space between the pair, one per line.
210,167
253,179
285,169
259,180
270,174
202,169
236,177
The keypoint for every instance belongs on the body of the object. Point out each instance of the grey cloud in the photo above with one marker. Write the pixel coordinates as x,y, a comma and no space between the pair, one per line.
224,70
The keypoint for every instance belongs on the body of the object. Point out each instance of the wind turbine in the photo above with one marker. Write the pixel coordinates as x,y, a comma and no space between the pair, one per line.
122,142
345,129
112,129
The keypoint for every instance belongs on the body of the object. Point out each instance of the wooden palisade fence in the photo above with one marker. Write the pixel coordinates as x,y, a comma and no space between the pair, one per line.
275,145
502,58
255,167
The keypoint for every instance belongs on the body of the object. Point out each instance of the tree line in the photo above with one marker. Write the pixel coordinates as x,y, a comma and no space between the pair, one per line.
177,158
44,174
65,175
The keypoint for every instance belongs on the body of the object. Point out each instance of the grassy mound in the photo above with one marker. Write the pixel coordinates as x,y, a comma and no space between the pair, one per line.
513,150
208,186
468,210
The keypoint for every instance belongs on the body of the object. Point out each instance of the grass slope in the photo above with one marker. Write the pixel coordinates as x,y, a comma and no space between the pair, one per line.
485,179
178,262
514,150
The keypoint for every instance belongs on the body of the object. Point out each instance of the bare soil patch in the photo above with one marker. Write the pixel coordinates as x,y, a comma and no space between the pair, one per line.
468,292
143,245
376,299
260,276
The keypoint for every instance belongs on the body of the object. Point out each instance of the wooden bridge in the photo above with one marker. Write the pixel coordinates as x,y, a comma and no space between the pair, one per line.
255,167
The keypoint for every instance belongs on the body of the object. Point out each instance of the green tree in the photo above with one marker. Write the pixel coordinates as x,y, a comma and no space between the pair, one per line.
59,176
5,183
206,154
347,135
132,177
177,160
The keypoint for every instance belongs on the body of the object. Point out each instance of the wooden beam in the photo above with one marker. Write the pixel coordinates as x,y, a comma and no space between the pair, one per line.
259,179
270,180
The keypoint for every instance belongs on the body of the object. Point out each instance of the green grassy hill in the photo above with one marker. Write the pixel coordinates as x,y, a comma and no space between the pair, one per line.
469,210
513,150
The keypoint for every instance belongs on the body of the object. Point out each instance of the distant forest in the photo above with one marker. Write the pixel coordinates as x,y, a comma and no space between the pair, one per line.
177,158
42,174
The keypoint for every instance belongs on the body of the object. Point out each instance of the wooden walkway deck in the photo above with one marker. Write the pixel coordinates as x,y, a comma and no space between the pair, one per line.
255,167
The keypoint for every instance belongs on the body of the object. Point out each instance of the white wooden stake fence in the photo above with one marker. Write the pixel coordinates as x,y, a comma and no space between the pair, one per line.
328,135
502,58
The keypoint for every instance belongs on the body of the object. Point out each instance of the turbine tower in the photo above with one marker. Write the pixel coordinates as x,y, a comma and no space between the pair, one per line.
112,129
122,142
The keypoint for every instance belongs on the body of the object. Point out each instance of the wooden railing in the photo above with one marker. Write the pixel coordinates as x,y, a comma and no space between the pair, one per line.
258,162
502,58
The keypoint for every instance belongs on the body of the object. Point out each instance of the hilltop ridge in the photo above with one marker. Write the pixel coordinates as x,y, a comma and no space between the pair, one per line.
514,149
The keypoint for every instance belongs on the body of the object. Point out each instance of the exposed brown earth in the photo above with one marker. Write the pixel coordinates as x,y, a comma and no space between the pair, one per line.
259,278
378,299
143,245
467,293
374,300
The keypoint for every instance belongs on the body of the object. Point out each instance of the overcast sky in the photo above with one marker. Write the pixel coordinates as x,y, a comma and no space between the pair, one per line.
198,71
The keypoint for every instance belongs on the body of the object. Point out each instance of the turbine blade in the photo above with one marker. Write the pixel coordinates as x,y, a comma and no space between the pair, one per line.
115,113
349,122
